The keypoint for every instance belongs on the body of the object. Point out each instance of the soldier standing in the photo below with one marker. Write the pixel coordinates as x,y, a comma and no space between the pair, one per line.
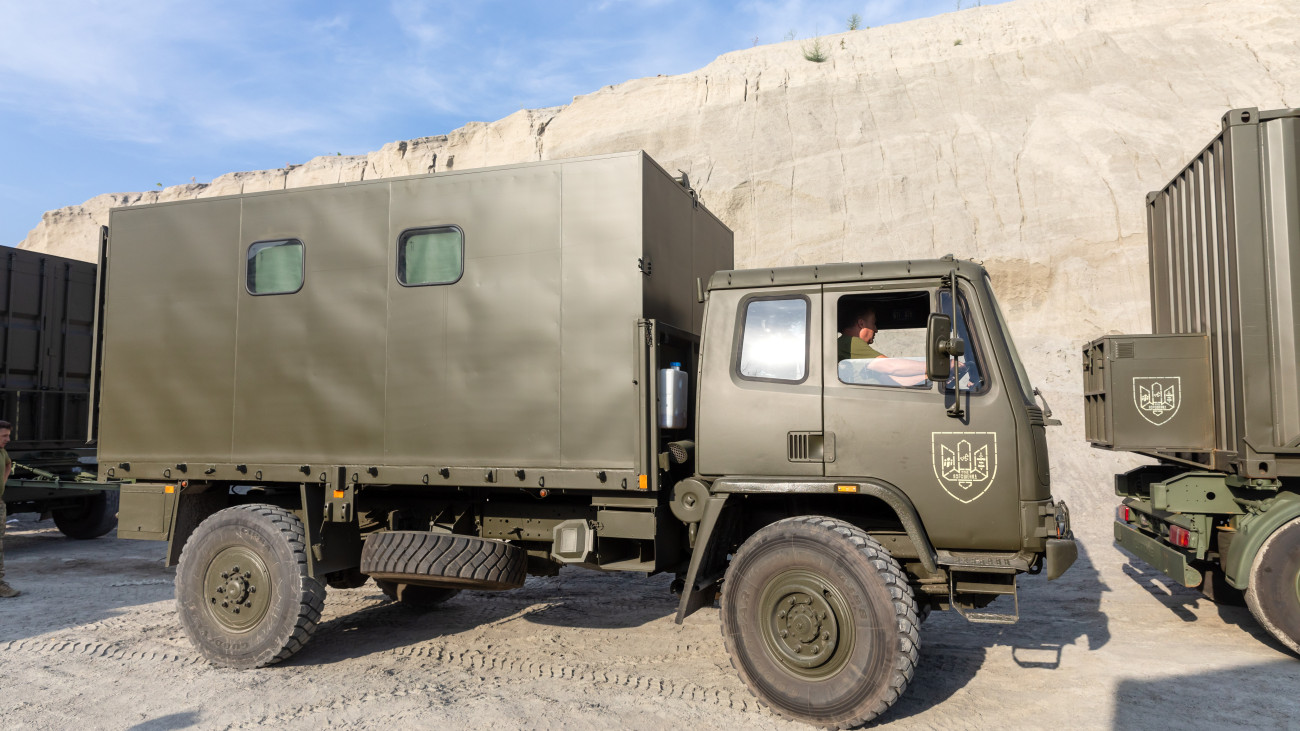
6,429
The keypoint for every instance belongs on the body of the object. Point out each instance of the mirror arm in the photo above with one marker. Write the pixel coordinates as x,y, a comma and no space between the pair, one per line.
953,349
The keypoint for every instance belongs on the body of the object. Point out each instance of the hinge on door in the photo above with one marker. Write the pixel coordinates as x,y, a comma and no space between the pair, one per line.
644,265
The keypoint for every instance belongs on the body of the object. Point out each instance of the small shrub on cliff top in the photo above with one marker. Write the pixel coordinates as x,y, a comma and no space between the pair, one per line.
855,21
816,52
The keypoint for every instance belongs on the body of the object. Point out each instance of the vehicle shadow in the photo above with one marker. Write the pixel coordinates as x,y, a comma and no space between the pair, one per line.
1181,601
81,584
575,599
1255,696
1052,617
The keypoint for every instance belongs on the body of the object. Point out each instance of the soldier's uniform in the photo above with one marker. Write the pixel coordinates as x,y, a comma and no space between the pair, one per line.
6,466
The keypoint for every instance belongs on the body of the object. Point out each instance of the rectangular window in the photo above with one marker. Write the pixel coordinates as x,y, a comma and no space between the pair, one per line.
774,344
881,339
275,267
430,256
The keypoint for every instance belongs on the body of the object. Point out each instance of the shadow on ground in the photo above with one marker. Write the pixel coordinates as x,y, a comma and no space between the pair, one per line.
1206,699
1053,615
574,599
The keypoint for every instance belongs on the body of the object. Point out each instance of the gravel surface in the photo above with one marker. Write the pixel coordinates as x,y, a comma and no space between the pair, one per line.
93,642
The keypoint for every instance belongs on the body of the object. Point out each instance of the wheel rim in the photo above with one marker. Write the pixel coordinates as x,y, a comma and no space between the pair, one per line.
237,588
806,624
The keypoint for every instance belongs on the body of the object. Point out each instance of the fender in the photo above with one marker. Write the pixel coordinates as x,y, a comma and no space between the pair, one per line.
1252,531
703,572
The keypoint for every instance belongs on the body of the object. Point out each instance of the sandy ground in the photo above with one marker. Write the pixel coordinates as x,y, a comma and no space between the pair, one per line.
94,643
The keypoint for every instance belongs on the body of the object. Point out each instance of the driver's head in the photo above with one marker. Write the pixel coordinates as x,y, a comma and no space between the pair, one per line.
862,325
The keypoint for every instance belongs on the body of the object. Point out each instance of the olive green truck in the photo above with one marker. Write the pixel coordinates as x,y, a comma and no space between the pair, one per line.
1213,394
450,381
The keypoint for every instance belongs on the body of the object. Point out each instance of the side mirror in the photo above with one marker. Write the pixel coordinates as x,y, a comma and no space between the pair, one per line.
941,346
937,332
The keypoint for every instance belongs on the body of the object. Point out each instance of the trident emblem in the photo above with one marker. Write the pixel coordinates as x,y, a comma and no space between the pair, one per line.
965,462
1157,398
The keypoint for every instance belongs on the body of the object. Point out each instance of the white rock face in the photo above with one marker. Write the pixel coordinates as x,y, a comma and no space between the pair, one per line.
1023,135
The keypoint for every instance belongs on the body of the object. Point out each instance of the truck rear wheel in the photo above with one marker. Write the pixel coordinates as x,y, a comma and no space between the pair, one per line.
418,597
1274,592
820,622
443,560
243,593
94,517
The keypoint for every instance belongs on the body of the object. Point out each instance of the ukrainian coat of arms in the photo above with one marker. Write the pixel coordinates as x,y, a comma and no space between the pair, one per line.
1157,397
965,462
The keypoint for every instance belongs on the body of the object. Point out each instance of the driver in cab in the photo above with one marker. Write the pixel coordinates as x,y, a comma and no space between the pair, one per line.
865,364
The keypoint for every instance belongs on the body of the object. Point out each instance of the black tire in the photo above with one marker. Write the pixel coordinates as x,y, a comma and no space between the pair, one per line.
443,560
1274,592
276,604
417,597
820,622
94,517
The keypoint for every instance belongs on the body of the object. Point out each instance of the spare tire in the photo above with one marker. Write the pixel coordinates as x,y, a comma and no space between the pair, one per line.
443,560
95,516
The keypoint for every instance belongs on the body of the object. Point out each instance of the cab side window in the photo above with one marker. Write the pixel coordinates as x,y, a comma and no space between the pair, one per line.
275,267
774,342
881,339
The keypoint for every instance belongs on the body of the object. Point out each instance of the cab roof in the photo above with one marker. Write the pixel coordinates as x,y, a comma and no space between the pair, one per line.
843,272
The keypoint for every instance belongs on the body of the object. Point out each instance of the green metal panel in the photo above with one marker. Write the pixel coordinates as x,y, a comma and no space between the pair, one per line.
1149,392
310,376
168,368
601,239
47,309
145,511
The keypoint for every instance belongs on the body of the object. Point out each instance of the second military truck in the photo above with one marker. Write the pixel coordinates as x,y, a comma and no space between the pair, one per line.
450,381
1213,393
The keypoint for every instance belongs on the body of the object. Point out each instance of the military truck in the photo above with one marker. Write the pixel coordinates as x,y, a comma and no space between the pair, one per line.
47,317
1213,393
450,381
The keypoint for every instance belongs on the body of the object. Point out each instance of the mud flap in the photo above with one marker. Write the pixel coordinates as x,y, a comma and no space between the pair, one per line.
706,567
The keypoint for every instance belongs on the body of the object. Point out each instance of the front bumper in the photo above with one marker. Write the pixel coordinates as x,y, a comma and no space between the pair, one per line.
1062,551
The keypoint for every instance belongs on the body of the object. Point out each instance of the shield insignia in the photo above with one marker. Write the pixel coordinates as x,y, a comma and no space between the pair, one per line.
964,462
1157,397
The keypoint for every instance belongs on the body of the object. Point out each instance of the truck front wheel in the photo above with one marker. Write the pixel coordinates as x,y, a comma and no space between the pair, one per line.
1274,592
820,622
243,593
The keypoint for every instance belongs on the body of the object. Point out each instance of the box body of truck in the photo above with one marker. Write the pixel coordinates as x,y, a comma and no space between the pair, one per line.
1214,392
528,357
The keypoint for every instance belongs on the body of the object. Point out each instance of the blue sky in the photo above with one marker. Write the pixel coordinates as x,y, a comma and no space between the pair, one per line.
102,97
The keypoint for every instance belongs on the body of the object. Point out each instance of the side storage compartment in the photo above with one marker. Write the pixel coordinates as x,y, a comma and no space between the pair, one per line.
145,511
1148,392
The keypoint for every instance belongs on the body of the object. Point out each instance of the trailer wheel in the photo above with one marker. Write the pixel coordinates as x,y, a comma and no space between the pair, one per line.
443,560
94,517
820,622
417,597
243,593
1274,592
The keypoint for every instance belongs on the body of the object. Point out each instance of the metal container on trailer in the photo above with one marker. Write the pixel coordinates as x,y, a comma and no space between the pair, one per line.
459,327
47,314
1224,245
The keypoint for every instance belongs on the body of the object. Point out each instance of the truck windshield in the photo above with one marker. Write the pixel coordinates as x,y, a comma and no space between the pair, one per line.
1021,375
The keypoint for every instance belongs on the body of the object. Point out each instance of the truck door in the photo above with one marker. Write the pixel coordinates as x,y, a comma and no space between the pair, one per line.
760,405
889,423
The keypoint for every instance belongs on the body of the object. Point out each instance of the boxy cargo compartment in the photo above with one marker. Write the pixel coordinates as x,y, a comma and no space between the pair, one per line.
1148,392
457,328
